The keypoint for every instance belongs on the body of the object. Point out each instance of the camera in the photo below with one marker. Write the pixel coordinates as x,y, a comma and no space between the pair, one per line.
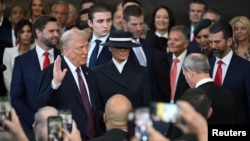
66,119
138,122
139,119
5,108
166,112
55,126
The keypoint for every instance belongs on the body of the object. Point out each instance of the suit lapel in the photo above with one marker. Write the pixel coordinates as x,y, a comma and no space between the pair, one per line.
90,82
111,72
129,71
69,78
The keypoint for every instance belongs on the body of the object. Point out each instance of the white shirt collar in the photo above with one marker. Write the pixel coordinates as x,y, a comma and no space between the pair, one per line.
182,56
203,81
226,59
71,66
159,35
119,66
40,51
103,39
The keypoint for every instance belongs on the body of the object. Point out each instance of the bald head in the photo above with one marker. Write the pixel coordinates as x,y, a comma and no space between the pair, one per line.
116,110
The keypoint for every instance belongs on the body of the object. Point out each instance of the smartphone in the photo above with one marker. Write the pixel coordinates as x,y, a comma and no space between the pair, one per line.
55,126
5,108
138,122
166,112
66,119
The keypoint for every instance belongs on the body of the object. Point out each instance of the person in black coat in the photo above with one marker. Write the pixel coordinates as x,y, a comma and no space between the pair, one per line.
162,21
196,71
120,75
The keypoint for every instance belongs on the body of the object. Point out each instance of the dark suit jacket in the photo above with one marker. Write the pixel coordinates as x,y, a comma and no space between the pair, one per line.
237,79
5,41
159,43
104,56
5,31
147,47
23,86
224,104
161,89
132,82
112,135
68,96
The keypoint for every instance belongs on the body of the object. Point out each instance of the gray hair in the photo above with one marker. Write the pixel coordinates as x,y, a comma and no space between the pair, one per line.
183,29
197,62
72,35
41,121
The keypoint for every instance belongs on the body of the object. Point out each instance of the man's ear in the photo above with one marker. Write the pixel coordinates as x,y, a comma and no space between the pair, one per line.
90,23
210,112
38,33
124,25
104,117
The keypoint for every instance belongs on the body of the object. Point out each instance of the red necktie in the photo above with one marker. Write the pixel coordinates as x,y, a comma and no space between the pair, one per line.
46,61
91,133
173,76
218,75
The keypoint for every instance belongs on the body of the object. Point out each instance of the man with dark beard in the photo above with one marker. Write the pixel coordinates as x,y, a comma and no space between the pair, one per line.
227,69
27,68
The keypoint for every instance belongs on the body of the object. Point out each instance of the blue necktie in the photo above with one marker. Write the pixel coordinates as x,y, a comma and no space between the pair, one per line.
93,57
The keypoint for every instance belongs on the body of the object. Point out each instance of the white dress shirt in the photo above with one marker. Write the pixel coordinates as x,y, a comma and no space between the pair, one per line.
40,55
226,61
92,44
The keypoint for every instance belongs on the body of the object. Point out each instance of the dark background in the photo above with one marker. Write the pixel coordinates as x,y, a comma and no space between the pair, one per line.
228,8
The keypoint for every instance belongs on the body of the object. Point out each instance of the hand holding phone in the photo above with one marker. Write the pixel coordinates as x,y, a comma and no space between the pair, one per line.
139,120
166,112
67,119
55,126
5,109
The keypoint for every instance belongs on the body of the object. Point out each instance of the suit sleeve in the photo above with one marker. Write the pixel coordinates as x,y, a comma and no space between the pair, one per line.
17,92
147,91
44,88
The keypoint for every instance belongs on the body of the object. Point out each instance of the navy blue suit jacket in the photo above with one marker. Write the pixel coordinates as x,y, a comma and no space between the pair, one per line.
161,89
148,49
237,79
5,31
104,56
68,96
133,82
23,86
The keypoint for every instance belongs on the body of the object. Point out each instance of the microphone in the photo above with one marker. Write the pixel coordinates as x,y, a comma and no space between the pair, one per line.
2,68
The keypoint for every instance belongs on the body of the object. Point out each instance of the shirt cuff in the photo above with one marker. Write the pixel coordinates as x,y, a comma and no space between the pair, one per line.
54,86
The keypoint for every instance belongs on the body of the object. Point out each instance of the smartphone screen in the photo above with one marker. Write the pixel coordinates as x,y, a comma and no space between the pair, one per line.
5,108
142,121
55,126
166,112
67,119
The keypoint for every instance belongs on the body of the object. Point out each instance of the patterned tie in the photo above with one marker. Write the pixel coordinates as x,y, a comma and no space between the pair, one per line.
46,61
173,75
93,57
218,75
140,56
91,133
